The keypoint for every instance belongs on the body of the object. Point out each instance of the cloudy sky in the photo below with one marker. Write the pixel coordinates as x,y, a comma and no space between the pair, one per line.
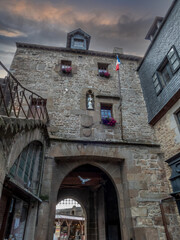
120,23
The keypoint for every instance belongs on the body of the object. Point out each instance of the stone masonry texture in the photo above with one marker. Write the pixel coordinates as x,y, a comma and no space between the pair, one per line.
66,95
128,152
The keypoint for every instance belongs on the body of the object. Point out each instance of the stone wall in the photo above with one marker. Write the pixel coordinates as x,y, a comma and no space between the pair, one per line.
39,70
168,132
138,174
16,134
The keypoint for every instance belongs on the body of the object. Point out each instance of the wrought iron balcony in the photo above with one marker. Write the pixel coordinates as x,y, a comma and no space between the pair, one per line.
17,101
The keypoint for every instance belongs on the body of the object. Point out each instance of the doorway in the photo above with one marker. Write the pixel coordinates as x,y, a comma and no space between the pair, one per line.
97,193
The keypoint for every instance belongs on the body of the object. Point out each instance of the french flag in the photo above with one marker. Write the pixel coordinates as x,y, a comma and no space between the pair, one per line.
117,63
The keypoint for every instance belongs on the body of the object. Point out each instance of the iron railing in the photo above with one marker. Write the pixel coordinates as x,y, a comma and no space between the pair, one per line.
17,101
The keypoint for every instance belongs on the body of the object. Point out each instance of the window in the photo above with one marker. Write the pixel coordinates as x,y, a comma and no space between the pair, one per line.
103,70
66,66
166,70
37,108
106,110
27,167
157,84
78,42
173,59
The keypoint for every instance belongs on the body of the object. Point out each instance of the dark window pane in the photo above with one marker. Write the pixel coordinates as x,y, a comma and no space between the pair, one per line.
173,59
106,110
156,82
22,162
166,74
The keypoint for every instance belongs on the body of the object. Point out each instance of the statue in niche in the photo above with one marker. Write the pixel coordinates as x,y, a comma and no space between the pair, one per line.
90,100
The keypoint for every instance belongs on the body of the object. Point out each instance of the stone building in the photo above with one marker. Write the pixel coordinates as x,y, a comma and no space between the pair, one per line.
98,146
160,79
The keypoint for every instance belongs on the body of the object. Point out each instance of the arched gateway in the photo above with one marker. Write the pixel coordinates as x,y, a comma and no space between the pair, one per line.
96,191
104,196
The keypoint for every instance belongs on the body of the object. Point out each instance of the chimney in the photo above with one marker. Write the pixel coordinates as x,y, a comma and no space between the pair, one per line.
118,50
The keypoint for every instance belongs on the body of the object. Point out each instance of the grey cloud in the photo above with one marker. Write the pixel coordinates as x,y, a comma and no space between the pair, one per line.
128,32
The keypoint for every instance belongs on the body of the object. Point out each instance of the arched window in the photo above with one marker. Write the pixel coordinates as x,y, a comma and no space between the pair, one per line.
27,167
90,100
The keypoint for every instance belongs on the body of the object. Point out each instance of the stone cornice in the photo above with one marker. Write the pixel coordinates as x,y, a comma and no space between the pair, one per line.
78,51
108,96
125,142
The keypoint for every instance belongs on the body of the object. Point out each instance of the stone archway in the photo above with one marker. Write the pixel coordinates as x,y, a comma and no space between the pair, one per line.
98,195
62,158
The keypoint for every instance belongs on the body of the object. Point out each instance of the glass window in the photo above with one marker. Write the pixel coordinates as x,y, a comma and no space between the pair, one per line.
66,67
27,167
106,111
78,42
173,59
166,70
65,64
166,74
37,108
156,82
102,68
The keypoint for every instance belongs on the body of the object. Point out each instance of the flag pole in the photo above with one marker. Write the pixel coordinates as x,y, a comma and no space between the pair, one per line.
120,104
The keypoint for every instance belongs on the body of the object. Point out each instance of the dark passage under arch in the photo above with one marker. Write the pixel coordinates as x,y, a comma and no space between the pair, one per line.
95,190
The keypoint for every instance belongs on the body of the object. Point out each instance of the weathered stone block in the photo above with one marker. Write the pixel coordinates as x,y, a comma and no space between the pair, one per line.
86,121
146,233
87,132
139,212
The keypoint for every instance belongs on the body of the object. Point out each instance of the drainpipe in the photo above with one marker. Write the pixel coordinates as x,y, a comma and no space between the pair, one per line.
163,216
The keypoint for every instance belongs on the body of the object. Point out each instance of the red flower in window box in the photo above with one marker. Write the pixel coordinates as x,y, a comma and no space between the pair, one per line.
109,121
104,74
67,70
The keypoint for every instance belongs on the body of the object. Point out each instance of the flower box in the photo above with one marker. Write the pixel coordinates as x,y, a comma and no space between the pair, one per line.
67,70
104,74
109,121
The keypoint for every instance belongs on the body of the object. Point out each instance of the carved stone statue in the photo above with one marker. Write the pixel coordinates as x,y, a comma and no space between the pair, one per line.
90,102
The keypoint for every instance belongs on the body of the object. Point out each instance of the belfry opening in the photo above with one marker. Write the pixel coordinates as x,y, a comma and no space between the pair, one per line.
96,193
